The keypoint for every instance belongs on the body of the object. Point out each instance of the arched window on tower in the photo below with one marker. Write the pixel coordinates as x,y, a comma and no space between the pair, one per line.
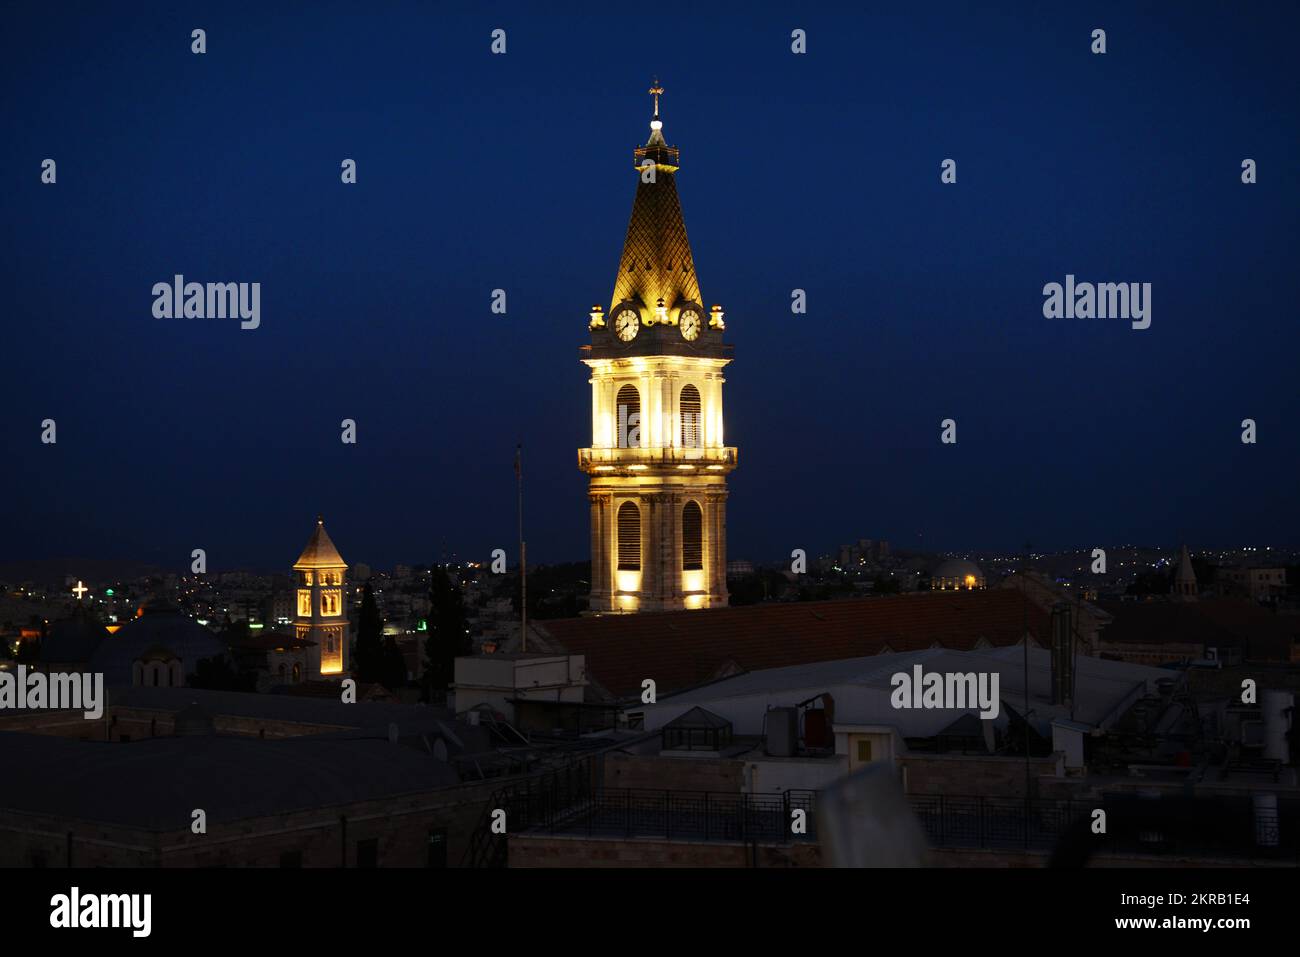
692,435
629,537
692,537
628,410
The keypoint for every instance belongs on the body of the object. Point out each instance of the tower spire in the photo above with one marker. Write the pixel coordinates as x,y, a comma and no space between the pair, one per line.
656,124
656,263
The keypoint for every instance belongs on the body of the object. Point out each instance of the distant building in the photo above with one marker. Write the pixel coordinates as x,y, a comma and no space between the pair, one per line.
281,608
1258,584
276,659
957,574
864,551
1224,631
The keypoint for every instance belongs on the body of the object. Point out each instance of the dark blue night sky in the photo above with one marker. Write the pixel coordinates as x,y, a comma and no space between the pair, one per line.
477,171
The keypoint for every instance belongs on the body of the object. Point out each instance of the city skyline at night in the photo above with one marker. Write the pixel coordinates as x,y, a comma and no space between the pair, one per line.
596,440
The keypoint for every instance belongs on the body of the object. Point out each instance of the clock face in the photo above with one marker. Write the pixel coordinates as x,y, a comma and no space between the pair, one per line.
627,324
690,325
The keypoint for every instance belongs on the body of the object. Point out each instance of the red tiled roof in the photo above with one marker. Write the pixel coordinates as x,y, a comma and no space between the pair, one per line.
1221,623
682,649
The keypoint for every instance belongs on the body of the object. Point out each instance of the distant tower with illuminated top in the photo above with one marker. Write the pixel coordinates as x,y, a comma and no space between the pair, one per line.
319,574
657,462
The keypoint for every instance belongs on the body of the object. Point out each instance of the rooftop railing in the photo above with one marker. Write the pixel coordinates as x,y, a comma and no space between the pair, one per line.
680,815
1228,827
657,457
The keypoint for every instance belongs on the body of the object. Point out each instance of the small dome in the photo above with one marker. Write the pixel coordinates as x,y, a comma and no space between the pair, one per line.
179,634
957,574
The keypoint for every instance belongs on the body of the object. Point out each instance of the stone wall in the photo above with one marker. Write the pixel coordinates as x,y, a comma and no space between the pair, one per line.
118,722
723,775
970,774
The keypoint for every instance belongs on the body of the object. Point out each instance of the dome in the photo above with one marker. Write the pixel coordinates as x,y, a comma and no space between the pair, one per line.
159,629
957,574
73,640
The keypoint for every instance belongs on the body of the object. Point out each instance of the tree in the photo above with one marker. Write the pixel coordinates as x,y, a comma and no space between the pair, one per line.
554,591
393,666
370,639
765,584
745,590
447,636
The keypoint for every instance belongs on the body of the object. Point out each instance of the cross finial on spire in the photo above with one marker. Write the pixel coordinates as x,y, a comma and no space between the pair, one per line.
655,91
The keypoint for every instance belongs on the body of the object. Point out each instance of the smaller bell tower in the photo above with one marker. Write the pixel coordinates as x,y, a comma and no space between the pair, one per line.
319,575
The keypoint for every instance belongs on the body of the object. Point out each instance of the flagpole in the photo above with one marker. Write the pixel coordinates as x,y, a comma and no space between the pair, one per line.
523,562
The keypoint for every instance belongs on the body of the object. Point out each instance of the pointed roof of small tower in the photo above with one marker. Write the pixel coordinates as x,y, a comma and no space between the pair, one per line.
656,262
1185,571
320,551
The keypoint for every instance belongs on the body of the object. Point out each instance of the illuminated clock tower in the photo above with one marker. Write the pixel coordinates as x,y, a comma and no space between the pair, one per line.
319,574
657,462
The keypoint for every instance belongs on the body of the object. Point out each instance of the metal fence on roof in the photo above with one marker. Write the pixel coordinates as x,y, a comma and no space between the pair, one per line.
1232,827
